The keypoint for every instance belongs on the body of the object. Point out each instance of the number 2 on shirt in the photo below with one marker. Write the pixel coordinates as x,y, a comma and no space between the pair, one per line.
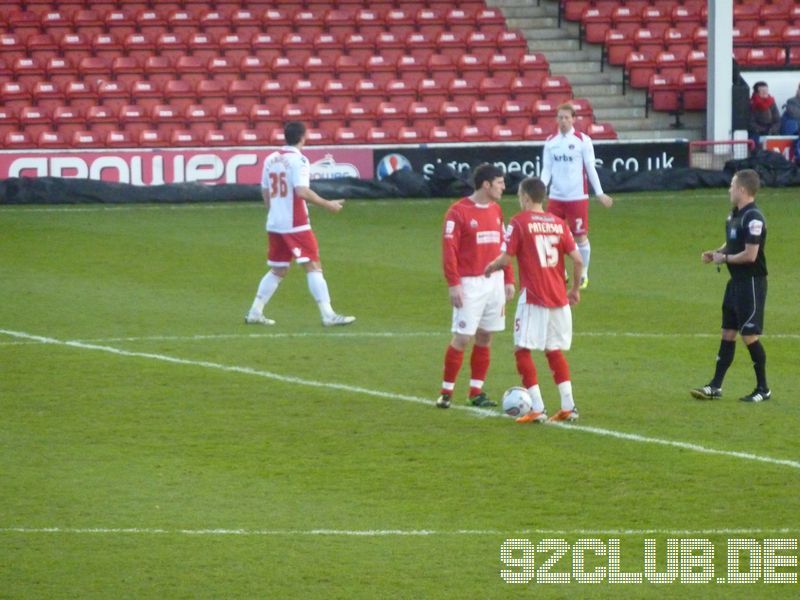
278,187
547,250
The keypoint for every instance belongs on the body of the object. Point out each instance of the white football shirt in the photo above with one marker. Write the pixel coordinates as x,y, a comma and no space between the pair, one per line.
284,170
567,163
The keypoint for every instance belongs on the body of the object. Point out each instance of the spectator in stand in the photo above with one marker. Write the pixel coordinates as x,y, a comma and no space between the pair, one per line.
764,115
790,120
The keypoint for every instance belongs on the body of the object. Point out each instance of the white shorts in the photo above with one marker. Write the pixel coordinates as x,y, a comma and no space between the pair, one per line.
484,305
541,328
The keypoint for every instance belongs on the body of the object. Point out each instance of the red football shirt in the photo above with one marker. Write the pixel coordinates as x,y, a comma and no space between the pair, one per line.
472,238
540,241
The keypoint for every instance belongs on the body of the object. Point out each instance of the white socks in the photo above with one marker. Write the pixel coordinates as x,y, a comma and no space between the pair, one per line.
319,290
586,252
565,389
536,397
269,283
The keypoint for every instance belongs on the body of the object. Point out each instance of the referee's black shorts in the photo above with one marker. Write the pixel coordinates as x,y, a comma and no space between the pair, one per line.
743,305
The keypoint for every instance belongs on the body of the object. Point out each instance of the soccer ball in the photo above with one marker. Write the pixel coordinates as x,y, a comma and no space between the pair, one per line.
391,163
517,402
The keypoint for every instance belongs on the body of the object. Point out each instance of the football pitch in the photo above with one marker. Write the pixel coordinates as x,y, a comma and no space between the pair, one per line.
152,445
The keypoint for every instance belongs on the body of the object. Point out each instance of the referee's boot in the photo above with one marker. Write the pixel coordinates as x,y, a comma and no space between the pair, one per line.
707,392
758,395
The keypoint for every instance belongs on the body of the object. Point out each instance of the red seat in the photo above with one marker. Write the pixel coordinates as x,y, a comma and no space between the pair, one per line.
182,138
119,23
625,19
202,45
379,135
400,21
60,71
182,22
429,21
34,120
693,91
327,46
639,67
595,21
411,135
101,120
485,114
192,69
601,131
252,68
18,140
664,94
276,21
677,41
366,87
455,113
27,71
318,137
56,22
219,68
12,44
86,139
422,115
134,119
766,35
113,94
297,47
556,88
648,40
307,93
697,62
539,132
150,22
67,120
390,115
512,43
700,38
505,133
325,114
171,45
358,45
348,135
420,45
158,69
166,117
294,112
243,93
211,93
369,21
245,22
79,94
502,67
199,119
139,46
119,139
339,22
14,95
451,42
669,65
145,93
764,57
234,46
286,70
390,45
349,68
482,43
381,70
525,87
616,46
106,46
533,64
474,133
151,138
441,68
24,23
544,110
251,137
179,93
472,68
460,87
442,134
41,46
493,90
214,23
51,139
656,19
125,69
490,20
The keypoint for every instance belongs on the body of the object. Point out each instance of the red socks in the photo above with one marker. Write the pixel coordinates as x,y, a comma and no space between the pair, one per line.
479,365
452,365
525,367
558,365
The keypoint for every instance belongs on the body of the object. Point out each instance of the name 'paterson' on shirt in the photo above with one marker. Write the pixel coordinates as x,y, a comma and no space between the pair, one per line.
539,227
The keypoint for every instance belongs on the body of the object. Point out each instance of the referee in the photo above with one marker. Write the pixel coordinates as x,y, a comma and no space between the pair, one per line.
746,292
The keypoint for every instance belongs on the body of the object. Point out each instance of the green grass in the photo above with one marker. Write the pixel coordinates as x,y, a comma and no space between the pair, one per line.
263,430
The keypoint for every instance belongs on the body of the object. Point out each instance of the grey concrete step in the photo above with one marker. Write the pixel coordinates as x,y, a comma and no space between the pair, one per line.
532,23
581,72
617,113
589,55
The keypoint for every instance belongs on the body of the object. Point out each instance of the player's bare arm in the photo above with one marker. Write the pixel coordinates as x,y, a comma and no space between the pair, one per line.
498,263
606,200
309,195
456,295
745,257
574,293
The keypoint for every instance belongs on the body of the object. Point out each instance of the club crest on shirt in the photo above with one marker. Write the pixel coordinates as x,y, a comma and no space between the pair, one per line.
473,223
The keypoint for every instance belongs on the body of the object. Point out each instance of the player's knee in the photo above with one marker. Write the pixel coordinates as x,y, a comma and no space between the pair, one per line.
280,271
483,338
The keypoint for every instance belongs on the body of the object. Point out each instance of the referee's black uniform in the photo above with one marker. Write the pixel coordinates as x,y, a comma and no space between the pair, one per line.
746,292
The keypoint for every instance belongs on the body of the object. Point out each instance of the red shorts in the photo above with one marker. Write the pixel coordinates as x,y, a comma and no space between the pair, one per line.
575,213
285,247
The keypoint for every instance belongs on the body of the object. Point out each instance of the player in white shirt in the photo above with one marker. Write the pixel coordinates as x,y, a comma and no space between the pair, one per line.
285,188
568,166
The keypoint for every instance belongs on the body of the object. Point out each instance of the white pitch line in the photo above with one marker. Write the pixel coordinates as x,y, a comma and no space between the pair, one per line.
376,334
395,532
403,397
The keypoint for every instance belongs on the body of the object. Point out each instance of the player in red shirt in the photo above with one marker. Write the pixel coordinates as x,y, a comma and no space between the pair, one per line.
286,187
473,236
543,321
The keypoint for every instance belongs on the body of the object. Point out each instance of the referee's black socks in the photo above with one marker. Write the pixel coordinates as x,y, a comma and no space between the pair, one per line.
759,357
724,359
